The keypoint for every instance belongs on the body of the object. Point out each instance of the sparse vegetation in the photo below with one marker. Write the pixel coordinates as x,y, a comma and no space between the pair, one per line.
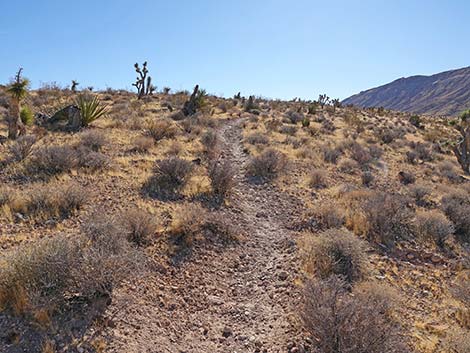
267,165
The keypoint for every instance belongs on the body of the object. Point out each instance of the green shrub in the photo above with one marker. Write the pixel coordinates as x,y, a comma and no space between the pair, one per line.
27,116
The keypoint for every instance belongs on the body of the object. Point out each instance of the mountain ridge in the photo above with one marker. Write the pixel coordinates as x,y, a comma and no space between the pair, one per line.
444,93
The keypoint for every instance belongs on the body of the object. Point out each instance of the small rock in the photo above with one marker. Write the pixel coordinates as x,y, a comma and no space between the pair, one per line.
227,332
283,275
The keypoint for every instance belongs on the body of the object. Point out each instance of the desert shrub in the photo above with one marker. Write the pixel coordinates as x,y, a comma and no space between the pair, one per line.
93,139
294,117
92,161
382,217
267,165
143,144
360,154
222,177
375,151
27,116
108,257
448,170
423,151
22,147
169,176
257,138
288,130
411,157
37,274
383,297
325,215
348,166
318,178
52,160
187,223
138,226
160,129
327,126
420,194
342,323
337,252
367,178
50,201
433,226
406,178
456,206
330,153
209,140
461,290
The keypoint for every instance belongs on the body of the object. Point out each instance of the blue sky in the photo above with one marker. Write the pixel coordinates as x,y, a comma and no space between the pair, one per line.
278,49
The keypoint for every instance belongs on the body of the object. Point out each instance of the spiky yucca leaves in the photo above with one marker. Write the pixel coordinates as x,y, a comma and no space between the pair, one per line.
91,108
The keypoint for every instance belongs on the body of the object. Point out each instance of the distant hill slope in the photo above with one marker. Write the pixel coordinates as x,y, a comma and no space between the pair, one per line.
446,93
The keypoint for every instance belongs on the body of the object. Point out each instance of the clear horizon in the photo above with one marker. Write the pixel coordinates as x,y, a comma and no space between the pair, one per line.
269,48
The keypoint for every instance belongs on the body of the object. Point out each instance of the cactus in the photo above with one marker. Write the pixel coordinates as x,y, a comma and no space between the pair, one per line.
191,105
462,148
73,86
323,99
143,82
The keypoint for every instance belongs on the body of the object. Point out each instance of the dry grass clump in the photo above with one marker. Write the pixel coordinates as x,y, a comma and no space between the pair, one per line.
267,165
222,178
325,215
187,224
339,322
93,139
160,129
48,202
456,206
380,216
348,166
318,179
22,147
139,226
337,252
143,144
169,176
433,226
257,138
49,272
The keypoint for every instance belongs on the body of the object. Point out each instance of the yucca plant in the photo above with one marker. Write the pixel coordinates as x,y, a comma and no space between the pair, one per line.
91,108
18,89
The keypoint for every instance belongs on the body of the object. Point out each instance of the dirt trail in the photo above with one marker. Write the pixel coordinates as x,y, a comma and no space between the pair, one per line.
238,299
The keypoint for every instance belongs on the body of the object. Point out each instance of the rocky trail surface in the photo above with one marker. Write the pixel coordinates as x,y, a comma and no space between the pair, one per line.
238,298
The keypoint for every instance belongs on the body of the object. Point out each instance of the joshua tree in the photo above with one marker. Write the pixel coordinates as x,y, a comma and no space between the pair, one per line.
73,86
323,99
336,103
18,89
190,106
143,83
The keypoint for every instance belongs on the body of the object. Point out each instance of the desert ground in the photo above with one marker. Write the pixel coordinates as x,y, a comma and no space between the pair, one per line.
252,225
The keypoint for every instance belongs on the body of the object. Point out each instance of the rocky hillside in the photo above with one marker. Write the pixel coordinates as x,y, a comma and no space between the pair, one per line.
446,93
